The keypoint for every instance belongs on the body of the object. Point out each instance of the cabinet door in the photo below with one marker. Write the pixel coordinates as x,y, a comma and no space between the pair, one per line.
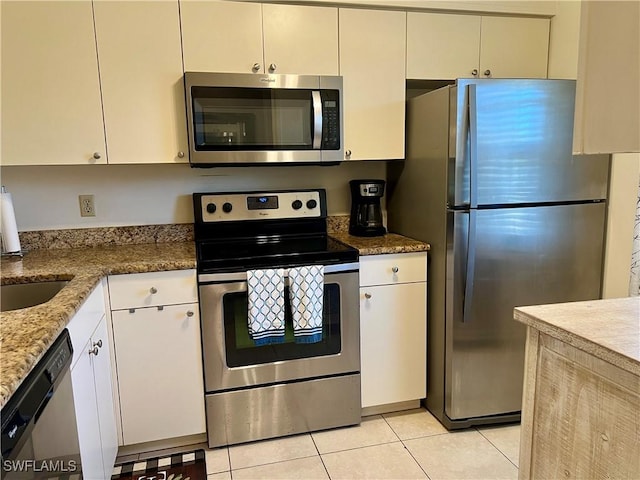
514,47
442,46
104,398
51,107
372,64
393,343
159,364
221,36
85,401
300,39
142,87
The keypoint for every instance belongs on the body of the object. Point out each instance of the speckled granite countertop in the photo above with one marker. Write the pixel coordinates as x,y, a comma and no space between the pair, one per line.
26,334
608,329
389,243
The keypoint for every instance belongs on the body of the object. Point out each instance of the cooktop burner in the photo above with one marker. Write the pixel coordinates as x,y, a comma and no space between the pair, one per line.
242,231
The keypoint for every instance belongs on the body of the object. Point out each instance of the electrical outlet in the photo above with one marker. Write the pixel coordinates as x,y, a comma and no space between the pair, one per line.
87,206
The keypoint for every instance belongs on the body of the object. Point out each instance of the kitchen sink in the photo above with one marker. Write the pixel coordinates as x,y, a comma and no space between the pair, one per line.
23,295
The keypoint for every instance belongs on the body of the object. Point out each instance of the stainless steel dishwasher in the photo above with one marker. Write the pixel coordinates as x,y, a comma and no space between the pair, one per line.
39,430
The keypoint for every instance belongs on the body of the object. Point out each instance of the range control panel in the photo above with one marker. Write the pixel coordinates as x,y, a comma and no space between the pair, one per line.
224,207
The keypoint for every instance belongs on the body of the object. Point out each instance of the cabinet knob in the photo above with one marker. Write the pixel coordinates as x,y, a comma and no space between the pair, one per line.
487,73
256,67
272,67
190,313
367,296
395,269
94,351
97,155
153,290
347,153
474,72
98,343
180,154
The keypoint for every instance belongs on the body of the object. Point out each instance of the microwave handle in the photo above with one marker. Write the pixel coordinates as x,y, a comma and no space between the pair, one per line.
317,119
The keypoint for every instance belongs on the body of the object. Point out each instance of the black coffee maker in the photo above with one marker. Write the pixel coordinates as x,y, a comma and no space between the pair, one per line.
366,212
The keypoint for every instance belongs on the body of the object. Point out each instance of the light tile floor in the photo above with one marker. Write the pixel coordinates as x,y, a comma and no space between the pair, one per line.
403,445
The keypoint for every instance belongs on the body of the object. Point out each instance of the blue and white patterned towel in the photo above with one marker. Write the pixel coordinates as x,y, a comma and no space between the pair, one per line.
265,289
306,292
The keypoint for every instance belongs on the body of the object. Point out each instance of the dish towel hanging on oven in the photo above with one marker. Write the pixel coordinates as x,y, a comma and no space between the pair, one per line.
306,292
265,289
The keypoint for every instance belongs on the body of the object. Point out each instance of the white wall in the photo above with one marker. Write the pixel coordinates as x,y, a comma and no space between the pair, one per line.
623,194
46,197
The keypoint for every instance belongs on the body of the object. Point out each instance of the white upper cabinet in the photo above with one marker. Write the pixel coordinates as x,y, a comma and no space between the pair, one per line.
142,89
220,36
300,40
442,46
446,46
608,88
372,64
51,110
514,47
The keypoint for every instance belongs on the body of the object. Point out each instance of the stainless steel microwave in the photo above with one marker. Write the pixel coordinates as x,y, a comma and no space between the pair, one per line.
236,119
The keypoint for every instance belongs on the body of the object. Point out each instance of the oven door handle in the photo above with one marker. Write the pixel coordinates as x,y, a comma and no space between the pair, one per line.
242,276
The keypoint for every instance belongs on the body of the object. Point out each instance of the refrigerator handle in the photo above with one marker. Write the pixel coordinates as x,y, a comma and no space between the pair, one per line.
467,299
473,146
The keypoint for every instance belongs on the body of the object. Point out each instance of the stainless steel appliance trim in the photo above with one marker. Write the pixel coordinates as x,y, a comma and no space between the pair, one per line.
473,146
469,277
220,377
242,276
317,119
283,409
250,80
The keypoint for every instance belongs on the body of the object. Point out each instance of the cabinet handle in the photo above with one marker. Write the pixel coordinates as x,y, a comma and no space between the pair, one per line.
474,72
256,67
97,155
487,73
367,296
395,269
153,290
190,313
347,153
98,343
94,351
180,154
272,67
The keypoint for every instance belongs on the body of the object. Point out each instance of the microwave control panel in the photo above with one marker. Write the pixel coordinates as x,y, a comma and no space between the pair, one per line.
331,119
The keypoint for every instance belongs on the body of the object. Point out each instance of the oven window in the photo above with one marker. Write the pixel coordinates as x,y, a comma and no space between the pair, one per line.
242,351
252,119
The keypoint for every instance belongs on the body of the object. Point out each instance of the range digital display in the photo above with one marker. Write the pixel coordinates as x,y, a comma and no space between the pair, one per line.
265,202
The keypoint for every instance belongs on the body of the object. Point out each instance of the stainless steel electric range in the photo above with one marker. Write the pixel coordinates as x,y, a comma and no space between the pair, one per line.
254,390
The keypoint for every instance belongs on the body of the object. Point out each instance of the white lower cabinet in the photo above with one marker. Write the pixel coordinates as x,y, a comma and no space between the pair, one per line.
92,390
393,328
159,362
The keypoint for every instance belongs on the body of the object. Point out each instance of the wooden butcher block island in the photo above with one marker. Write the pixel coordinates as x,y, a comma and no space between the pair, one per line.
581,401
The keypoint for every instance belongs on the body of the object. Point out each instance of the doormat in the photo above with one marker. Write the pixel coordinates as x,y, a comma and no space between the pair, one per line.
181,466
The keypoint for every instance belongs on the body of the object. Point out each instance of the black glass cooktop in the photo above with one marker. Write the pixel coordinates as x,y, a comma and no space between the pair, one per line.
271,252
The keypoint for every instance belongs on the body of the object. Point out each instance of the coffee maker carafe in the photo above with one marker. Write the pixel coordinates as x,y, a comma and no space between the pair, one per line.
366,212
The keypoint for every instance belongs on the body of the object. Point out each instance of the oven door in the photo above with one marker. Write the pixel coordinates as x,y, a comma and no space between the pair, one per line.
232,360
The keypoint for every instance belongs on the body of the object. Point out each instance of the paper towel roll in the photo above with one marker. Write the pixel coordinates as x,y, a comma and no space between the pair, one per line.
10,238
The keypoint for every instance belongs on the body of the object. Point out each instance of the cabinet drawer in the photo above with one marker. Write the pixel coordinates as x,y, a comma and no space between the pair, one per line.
391,269
152,289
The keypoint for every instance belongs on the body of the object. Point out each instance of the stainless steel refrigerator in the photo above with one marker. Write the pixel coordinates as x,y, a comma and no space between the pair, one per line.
513,218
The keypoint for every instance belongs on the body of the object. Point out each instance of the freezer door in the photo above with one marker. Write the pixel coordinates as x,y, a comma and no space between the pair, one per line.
498,259
513,145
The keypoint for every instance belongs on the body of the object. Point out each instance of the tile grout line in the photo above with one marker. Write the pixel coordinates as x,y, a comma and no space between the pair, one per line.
406,449
320,455
496,447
